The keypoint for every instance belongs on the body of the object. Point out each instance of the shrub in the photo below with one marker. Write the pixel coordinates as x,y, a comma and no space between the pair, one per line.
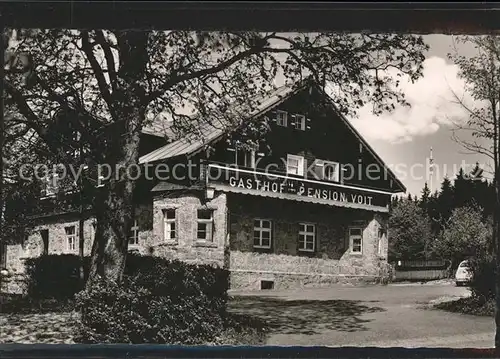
158,301
53,276
483,270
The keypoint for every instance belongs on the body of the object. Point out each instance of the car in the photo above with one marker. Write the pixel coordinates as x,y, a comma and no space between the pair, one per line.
463,275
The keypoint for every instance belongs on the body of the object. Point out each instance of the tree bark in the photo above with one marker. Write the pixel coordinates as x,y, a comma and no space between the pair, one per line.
114,203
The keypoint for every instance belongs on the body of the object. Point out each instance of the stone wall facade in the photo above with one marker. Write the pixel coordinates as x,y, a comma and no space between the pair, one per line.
231,245
151,239
286,266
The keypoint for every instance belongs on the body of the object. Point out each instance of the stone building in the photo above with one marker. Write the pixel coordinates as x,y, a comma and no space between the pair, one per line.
305,205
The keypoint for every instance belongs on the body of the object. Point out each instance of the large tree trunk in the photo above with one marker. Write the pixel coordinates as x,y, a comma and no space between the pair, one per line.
114,205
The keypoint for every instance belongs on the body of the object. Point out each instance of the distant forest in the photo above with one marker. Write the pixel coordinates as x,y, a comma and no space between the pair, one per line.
453,223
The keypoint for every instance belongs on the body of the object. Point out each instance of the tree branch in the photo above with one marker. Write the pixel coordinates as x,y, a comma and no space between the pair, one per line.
101,81
110,60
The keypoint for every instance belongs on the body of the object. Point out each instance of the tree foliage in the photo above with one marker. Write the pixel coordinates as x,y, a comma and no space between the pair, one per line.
466,235
108,85
410,231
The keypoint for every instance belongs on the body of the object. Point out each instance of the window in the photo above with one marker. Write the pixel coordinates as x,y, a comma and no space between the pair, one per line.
245,158
300,122
356,240
71,238
307,237
205,225
51,184
331,171
44,233
262,231
3,256
133,239
169,229
295,165
381,235
281,118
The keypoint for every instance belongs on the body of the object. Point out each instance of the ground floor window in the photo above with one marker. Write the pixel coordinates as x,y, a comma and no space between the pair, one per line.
356,239
44,233
3,256
169,228
71,238
307,237
262,233
133,238
381,236
205,225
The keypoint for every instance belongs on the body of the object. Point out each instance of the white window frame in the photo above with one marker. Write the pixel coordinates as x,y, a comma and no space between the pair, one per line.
261,229
282,118
133,238
71,239
353,237
300,165
300,122
303,231
336,178
208,222
168,223
381,236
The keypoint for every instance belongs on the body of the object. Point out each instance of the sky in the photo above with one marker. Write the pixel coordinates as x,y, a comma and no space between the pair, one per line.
403,138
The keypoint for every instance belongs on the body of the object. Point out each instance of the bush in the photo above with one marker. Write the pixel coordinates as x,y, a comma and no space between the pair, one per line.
483,270
158,301
53,276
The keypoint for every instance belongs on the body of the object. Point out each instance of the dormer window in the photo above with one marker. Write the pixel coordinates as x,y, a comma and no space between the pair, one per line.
331,171
295,165
245,158
299,122
282,118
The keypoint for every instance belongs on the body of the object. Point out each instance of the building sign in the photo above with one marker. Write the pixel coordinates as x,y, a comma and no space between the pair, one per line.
279,184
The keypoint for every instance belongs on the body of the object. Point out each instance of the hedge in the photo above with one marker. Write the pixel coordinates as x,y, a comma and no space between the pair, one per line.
158,301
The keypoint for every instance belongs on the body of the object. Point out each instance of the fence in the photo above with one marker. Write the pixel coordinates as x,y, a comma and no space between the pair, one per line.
421,270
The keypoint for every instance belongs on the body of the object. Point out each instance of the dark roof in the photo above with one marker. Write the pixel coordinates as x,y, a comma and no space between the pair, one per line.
218,125
210,131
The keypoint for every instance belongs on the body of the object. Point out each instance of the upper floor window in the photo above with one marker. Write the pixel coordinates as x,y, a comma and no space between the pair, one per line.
282,118
262,233
205,225
169,228
133,239
295,165
356,239
331,171
71,238
245,158
307,237
299,122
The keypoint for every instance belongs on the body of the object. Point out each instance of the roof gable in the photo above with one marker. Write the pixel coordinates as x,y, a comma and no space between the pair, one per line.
212,130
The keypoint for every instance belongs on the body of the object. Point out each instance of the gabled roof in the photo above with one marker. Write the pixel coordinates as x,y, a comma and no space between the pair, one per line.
210,132
217,126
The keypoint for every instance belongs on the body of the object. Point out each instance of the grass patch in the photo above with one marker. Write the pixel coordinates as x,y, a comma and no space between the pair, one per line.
471,305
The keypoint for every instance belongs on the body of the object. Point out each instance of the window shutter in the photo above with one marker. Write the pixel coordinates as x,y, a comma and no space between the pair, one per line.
293,119
308,123
274,115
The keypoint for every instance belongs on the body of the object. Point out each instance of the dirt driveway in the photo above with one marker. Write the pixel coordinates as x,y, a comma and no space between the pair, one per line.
385,316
